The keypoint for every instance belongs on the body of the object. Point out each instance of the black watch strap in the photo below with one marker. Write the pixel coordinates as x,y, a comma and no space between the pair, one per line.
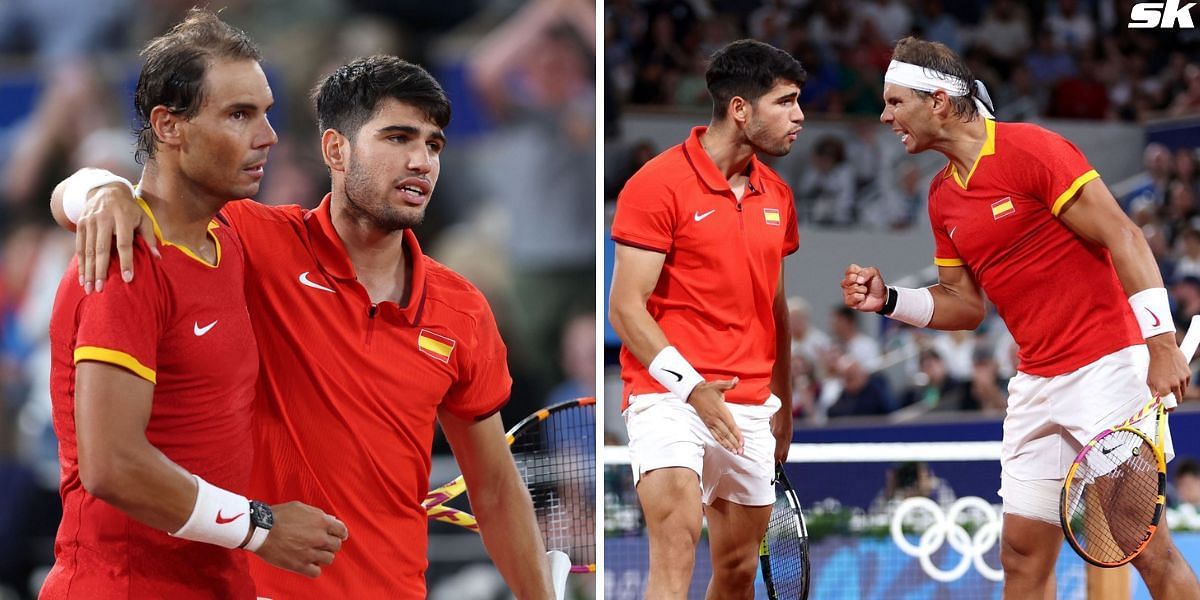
889,304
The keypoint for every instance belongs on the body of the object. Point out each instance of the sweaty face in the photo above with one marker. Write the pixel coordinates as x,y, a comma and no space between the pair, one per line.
393,166
775,120
909,116
224,146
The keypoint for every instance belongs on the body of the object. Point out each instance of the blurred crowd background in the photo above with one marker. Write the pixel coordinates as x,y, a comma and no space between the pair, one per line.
514,210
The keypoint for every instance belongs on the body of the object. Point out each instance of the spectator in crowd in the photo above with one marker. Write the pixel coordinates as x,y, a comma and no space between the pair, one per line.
808,341
936,25
1048,62
825,193
849,340
933,389
1149,188
534,74
1187,482
1069,25
1082,95
912,480
1188,251
863,391
988,389
1004,33
577,355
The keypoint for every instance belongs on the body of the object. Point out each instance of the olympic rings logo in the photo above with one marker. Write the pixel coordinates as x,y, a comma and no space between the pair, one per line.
945,528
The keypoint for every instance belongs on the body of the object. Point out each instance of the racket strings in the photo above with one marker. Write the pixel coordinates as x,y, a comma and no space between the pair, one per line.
787,545
1112,499
556,457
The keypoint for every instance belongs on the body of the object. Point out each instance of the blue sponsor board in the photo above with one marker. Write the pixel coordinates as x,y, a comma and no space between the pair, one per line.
847,568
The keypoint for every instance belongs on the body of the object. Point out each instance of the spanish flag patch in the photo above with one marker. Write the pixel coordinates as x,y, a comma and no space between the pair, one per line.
437,346
771,215
1003,208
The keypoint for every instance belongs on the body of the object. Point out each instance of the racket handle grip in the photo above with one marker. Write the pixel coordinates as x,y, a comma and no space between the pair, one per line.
560,566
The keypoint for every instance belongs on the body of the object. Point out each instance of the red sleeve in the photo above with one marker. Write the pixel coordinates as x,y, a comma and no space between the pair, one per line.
944,252
1057,171
791,237
645,216
123,324
484,385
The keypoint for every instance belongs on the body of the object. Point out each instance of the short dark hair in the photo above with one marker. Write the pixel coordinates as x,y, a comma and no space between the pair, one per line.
350,95
176,63
749,69
939,57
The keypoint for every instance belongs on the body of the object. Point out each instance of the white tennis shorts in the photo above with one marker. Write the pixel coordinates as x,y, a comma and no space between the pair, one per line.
1049,419
665,431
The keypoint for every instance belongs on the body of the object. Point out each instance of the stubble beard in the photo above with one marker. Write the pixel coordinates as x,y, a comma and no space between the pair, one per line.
364,204
763,141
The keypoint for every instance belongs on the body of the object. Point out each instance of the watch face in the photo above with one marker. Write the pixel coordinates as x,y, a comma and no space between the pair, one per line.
262,515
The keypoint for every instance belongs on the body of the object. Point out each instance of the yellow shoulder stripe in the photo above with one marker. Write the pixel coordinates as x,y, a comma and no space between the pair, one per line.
115,357
1066,196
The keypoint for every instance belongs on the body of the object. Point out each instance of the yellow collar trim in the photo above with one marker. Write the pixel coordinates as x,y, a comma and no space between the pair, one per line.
212,224
989,148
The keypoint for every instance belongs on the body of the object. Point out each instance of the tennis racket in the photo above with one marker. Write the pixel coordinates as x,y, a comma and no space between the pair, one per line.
555,452
783,552
1115,491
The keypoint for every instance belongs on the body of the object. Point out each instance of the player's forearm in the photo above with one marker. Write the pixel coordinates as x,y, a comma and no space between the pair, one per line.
955,309
510,533
1134,261
638,331
140,481
781,372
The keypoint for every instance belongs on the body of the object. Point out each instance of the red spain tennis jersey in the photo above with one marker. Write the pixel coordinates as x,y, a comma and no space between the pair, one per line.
1058,293
182,325
349,392
715,294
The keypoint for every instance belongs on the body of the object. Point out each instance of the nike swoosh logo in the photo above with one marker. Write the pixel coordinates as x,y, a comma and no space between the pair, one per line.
678,377
952,231
1156,319
316,286
700,217
222,521
199,331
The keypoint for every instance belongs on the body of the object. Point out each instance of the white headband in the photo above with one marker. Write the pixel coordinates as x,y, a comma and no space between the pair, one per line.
927,80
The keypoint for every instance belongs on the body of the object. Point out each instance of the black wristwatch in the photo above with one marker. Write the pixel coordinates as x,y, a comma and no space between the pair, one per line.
261,515
261,522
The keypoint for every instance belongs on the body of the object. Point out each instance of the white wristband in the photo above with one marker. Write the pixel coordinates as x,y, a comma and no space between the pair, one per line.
77,186
674,372
913,306
219,517
1152,309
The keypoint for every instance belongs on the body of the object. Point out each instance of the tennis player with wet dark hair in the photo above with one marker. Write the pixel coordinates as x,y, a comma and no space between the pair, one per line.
1018,213
152,381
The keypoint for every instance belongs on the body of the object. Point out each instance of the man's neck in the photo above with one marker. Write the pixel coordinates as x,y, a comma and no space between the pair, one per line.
181,209
729,150
961,143
380,261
